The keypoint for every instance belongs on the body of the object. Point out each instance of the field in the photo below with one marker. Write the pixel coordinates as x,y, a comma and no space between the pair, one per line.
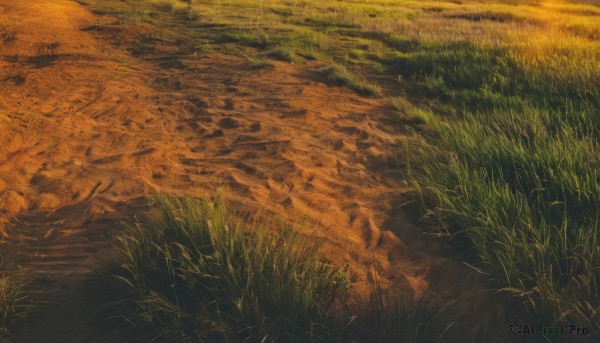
446,151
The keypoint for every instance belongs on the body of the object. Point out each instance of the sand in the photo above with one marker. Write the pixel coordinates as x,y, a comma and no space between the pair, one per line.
87,132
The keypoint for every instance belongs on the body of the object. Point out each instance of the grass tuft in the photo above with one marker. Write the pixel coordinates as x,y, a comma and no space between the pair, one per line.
194,273
165,6
340,74
16,299
285,55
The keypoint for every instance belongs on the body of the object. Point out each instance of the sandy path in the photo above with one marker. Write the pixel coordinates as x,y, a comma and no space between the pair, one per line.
86,137
87,132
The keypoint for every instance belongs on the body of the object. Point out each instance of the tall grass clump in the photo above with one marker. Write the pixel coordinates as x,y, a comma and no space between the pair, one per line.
339,73
16,302
193,273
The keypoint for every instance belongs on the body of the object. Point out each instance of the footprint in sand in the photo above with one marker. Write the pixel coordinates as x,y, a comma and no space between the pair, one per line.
229,123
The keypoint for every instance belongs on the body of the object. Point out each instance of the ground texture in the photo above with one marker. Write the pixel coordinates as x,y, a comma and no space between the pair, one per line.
87,132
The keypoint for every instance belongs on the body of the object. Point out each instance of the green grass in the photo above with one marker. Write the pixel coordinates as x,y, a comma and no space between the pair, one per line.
195,273
523,188
340,74
282,55
16,299
164,6
191,272
509,92
387,318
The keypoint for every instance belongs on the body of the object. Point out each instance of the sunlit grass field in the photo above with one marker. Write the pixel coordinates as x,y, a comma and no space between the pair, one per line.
499,103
